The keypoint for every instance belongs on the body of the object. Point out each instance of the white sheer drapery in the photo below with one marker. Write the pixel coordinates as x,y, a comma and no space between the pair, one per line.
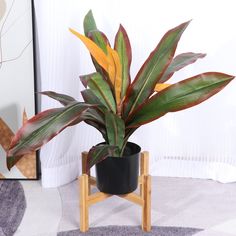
198,142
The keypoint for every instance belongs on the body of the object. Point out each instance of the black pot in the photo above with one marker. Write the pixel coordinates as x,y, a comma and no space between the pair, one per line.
119,175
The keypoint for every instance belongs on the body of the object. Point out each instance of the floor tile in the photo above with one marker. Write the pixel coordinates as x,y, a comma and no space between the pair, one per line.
43,212
226,227
212,233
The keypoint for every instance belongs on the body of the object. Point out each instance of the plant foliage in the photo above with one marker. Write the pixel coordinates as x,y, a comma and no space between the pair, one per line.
113,104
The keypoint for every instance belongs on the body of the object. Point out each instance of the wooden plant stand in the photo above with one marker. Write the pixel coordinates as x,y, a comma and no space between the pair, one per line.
143,199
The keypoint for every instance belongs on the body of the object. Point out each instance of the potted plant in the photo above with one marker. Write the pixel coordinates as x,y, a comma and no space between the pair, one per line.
117,106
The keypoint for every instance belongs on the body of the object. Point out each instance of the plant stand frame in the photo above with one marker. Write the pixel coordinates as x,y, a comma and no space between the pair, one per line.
143,199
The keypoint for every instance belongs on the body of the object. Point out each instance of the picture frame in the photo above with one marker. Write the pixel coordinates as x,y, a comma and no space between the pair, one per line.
18,82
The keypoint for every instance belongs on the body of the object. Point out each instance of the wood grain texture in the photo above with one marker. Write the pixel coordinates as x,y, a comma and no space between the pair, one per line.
144,168
83,203
97,197
146,209
144,163
132,197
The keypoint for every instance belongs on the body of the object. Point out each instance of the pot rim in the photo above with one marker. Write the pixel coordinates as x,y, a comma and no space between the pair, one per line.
126,156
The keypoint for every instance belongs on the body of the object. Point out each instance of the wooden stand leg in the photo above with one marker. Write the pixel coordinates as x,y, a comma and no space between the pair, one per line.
84,216
144,168
146,208
84,160
144,163
145,191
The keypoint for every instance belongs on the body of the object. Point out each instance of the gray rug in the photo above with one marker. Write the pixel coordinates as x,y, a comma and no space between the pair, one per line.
12,206
133,231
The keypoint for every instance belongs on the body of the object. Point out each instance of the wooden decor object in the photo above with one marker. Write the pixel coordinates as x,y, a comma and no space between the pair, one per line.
27,164
143,199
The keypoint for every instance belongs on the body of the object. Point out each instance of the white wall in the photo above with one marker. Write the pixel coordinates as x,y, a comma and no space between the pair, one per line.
199,138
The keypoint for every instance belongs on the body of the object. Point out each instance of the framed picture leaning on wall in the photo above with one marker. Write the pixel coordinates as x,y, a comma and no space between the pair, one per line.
17,82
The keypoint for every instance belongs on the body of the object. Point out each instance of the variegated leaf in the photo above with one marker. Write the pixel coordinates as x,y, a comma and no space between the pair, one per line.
62,98
43,127
179,96
102,90
115,129
114,71
123,48
153,69
99,153
89,23
180,62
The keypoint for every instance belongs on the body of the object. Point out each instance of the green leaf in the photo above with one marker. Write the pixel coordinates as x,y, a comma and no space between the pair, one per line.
100,39
152,70
89,23
180,62
12,160
102,90
128,133
179,96
91,31
62,98
123,48
43,127
99,153
94,115
115,129
90,98
99,127
85,78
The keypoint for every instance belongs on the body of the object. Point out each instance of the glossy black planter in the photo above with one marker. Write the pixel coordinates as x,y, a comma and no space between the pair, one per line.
119,175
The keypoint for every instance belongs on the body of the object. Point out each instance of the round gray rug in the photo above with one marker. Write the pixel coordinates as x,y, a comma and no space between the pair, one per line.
133,231
12,206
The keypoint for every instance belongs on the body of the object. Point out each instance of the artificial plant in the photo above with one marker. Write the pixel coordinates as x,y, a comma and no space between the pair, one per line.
114,104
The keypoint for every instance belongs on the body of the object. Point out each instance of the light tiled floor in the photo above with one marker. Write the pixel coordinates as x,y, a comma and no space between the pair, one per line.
43,211
175,202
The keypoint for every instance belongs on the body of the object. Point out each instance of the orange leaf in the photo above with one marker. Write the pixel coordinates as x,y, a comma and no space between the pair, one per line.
111,65
160,87
95,51
115,72
118,80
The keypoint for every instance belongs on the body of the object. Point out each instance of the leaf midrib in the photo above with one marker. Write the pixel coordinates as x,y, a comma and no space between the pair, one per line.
181,97
197,90
148,77
37,132
103,95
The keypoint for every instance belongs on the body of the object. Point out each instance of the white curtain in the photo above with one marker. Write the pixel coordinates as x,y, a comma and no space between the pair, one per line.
198,142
